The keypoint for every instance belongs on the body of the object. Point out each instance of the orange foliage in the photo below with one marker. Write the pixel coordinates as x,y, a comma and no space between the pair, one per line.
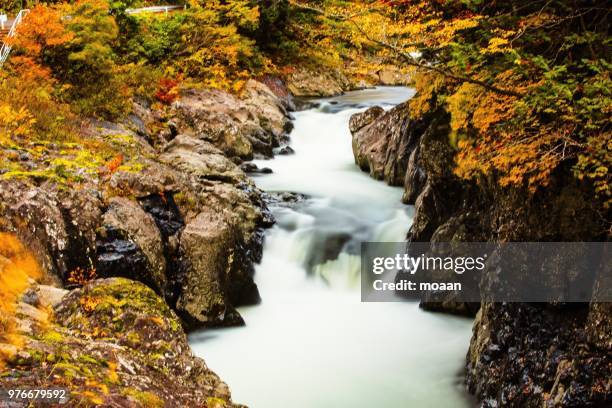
17,267
81,276
89,303
167,90
41,29
115,163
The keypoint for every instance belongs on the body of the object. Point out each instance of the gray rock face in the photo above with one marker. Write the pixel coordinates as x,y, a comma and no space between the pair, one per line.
207,243
128,216
240,127
383,142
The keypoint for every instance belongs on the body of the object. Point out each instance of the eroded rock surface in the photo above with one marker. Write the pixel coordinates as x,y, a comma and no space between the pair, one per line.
240,127
139,221
308,82
113,342
383,142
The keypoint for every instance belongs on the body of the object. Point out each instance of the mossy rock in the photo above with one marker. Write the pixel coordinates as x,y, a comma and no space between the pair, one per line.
123,310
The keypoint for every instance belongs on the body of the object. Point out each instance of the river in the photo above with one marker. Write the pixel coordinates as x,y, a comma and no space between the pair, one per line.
312,343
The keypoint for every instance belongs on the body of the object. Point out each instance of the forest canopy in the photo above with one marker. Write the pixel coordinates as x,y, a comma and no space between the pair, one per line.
526,83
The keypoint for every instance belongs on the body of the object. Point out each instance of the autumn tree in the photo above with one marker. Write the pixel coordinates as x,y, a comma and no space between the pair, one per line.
527,83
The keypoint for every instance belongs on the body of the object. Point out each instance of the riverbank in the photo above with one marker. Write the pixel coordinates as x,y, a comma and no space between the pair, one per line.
173,209
527,355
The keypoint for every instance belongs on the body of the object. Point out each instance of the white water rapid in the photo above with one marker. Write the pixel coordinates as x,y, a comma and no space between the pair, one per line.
312,343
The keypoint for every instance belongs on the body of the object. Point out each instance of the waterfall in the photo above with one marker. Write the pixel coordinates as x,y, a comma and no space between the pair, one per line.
312,342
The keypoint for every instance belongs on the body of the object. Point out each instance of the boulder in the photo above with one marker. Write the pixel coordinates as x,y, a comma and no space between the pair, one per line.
359,120
383,142
305,82
252,168
238,127
201,159
207,245
113,342
139,227
269,109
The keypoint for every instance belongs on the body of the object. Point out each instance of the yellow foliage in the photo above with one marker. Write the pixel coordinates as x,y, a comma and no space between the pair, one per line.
14,123
462,104
17,267
496,45
429,85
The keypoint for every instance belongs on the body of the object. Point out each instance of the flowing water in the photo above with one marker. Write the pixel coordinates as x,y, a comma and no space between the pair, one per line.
311,342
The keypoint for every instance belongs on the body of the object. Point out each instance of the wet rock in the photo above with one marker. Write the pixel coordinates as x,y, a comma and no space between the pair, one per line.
416,178
284,198
118,255
383,142
134,223
207,244
284,151
252,168
359,120
527,356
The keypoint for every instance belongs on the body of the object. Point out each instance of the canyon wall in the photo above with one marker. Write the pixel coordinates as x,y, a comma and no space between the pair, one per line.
521,355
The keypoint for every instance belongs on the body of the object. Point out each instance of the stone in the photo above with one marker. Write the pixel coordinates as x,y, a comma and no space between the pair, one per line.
359,120
201,159
207,244
138,226
237,126
308,82
383,141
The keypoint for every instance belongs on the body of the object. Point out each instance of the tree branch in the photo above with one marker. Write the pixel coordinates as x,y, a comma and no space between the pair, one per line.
406,57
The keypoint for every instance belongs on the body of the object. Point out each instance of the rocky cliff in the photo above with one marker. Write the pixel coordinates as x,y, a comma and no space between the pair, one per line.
521,355
184,218
162,239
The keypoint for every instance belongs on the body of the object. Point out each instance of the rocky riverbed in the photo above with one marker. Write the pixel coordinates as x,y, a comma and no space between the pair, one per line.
183,219
161,242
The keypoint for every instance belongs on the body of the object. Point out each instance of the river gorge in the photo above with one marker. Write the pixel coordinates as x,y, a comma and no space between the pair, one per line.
312,342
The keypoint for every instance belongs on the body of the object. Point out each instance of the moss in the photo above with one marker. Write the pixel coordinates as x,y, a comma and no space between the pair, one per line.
145,398
84,358
214,402
68,370
52,336
185,201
